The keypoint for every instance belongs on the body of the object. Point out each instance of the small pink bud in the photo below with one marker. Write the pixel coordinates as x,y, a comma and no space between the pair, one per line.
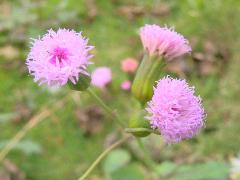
129,65
126,85
101,77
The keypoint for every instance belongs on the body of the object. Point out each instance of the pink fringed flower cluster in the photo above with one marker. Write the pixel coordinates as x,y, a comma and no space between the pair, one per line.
163,42
58,57
129,65
175,111
101,77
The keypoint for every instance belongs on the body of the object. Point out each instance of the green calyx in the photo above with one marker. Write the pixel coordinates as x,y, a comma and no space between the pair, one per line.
146,76
82,84
139,126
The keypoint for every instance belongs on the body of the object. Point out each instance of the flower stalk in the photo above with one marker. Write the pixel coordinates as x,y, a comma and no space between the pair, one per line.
98,160
111,113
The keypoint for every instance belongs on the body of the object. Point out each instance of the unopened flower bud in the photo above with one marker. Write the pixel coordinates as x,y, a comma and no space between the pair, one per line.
147,74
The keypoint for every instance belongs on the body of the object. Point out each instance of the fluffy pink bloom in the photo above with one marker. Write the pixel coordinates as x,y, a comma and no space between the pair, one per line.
129,65
175,110
58,56
101,77
163,41
126,85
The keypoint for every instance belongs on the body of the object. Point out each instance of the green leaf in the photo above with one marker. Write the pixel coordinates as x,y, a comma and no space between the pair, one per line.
6,117
129,172
115,160
166,168
26,146
208,170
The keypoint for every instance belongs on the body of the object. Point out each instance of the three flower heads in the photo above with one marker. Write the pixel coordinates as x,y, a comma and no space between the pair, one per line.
62,56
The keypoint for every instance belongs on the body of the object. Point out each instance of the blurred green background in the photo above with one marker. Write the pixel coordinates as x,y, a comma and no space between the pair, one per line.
64,144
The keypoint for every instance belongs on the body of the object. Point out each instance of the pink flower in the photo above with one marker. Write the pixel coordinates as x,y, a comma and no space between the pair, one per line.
175,111
129,65
163,42
101,77
126,85
58,57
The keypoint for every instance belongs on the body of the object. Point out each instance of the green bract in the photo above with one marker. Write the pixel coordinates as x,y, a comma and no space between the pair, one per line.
82,84
139,126
147,74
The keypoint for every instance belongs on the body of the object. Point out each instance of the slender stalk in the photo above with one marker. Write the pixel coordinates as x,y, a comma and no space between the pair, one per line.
113,115
33,122
101,156
148,160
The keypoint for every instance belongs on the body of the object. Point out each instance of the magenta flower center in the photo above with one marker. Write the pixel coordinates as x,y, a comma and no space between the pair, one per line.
175,109
60,57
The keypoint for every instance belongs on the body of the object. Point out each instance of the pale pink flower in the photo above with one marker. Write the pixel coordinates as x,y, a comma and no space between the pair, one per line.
175,110
129,65
163,41
126,85
58,56
101,77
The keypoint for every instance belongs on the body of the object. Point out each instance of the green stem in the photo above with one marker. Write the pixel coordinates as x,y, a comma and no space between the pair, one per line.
147,158
113,114
98,160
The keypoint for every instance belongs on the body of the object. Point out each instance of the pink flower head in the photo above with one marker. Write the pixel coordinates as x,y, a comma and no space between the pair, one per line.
58,57
101,77
175,111
126,85
129,65
163,42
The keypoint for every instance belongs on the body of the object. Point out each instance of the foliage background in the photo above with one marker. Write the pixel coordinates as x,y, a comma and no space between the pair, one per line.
64,144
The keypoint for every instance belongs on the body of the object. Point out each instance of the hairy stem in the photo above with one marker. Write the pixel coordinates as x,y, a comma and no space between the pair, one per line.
113,114
101,156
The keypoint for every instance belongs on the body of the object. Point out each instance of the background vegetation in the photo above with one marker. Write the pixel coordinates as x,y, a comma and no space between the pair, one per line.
64,144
